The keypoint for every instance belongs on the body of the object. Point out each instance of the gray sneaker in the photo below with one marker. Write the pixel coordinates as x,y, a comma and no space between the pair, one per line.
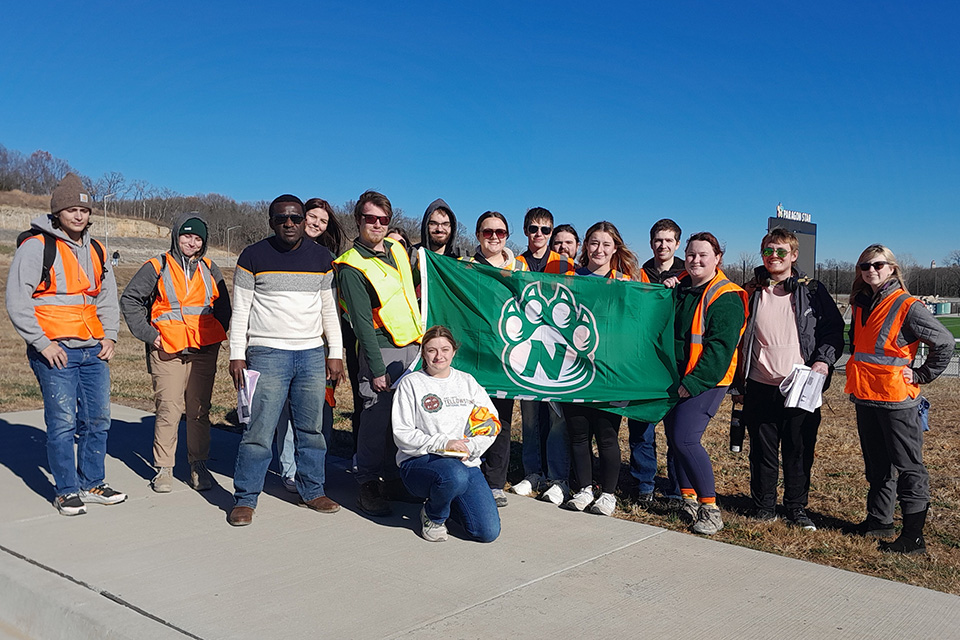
690,509
70,505
500,497
430,530
102,494
200,478
708,520
163,481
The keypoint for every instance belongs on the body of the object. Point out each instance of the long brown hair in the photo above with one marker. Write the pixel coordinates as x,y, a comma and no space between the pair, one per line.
332,236
623,260
871,252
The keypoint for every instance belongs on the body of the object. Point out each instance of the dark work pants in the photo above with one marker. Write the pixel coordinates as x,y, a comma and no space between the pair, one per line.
773,428
583,422
892,445
496,460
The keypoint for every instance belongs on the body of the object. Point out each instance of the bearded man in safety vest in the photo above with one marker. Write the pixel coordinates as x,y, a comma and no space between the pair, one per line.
377,289
69,317
178,305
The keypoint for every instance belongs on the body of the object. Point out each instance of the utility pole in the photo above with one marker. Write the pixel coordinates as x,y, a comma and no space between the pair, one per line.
106,239
228,236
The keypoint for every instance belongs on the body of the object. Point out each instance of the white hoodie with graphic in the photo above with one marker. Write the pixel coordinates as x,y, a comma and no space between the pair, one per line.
429,411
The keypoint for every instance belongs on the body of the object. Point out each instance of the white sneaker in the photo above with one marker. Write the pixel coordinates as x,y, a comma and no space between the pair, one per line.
290,484
605,505
580,501
102,494
432,531
556,494
528,486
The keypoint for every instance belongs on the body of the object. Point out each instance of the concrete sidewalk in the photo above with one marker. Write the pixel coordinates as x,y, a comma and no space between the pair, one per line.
169,566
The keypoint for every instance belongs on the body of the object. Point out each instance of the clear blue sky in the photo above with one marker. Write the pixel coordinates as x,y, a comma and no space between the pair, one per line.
710,112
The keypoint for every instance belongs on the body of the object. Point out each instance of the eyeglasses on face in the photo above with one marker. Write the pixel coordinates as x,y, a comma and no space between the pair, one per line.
433,224
879,264
532,230
371,219
769,251
489,233
282,219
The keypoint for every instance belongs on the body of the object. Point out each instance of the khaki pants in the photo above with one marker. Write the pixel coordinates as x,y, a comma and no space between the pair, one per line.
182,383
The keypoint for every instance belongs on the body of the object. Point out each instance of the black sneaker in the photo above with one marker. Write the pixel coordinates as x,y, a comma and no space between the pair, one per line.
907,545
765,515
645,500
797,517
102,494
70,505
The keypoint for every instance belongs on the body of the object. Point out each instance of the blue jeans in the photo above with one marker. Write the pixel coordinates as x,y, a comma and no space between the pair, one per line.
298,377
285,447
544,436
452,489
643,459
76,402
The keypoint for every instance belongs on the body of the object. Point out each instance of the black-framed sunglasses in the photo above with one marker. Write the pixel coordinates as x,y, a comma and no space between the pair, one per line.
489,233
533,228
769,251
879,264
371,219
295,218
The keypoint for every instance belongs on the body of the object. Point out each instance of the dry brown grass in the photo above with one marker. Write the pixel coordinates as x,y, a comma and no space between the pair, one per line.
837,495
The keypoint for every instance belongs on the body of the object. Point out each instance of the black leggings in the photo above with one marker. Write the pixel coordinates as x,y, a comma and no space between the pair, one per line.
582,423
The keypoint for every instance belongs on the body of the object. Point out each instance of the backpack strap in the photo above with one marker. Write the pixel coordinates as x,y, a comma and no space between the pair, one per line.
49,255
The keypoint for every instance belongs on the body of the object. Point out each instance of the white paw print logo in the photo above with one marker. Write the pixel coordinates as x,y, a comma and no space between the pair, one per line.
550,340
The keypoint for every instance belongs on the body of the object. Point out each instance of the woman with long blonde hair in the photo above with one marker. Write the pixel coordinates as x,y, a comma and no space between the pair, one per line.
887,326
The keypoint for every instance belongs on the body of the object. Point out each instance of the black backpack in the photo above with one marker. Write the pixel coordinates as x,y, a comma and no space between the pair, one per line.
50,252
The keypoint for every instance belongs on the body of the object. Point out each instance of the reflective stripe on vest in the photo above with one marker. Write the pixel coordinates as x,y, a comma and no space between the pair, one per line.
67,308
718,286
183,309
874,371
398,313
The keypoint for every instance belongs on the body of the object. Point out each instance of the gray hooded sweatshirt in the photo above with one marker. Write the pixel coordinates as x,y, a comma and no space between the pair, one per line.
24,278
140,293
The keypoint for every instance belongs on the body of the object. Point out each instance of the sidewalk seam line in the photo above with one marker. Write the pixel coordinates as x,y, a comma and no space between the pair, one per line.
523,586
106,594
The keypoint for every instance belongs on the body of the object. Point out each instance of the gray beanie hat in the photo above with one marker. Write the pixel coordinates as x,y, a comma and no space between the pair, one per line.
69,192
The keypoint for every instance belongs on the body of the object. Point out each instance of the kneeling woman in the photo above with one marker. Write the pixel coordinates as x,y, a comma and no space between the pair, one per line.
443,421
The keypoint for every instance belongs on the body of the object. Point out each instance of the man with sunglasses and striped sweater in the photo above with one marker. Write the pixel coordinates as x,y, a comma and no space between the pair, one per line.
285,327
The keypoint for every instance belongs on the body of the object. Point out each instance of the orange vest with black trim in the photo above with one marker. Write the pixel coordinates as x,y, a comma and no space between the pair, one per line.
875,368
556,263
66,309
183,309
398,313
718,286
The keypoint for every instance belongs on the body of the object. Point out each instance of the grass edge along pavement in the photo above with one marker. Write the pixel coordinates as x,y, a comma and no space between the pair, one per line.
837,495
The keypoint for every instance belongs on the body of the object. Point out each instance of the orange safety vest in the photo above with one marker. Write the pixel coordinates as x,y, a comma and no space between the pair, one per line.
398,312
556,263
716,288
183,310
66,308
874,371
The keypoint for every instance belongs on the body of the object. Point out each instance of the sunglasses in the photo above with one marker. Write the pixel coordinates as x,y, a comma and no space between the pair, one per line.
532,230
489,233
372,219
295,219
781,253
865,266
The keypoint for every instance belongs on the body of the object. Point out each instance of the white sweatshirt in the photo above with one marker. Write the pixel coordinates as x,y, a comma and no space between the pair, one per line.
429,411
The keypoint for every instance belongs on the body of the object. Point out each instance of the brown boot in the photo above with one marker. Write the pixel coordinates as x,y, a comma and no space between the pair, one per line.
323,504
241,516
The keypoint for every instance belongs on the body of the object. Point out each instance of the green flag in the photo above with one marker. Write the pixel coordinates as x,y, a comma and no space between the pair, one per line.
538,336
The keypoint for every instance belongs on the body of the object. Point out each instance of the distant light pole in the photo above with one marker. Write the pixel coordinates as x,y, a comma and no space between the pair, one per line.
106,238
228,236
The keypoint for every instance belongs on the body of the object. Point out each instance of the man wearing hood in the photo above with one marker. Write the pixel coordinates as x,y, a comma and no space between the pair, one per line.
69,318
178,305
438,230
